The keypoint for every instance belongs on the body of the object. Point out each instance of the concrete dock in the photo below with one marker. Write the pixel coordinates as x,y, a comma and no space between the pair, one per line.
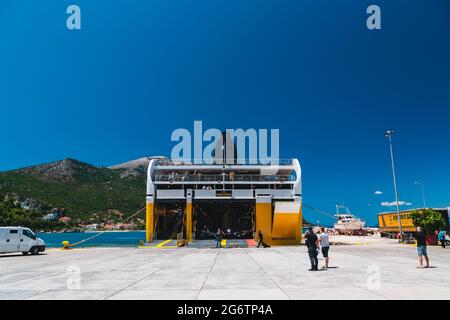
366,269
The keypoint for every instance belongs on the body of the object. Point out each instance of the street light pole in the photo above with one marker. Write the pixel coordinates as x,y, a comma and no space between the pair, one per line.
223,165
423,193
388,135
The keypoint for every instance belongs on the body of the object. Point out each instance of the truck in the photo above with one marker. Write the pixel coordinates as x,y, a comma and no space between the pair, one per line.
20,239
389,226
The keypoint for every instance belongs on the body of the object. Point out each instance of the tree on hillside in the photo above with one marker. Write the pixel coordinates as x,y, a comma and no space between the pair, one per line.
428,219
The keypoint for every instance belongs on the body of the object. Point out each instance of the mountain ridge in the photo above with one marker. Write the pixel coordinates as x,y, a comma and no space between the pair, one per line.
77,187
65,169
134,167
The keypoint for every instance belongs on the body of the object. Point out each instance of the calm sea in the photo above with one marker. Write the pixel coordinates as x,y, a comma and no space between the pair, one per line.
106,239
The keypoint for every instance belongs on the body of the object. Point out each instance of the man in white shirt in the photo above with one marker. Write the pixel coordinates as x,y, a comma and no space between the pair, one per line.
325,245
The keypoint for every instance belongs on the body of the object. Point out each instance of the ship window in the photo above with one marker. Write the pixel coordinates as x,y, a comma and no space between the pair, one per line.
13,231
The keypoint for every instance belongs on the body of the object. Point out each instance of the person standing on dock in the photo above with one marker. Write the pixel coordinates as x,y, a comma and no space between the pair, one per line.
312,242
422,247
219,235
261,240
441,237
325,245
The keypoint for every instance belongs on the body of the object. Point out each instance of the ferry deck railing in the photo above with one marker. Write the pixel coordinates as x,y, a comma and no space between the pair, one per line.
221,178
260,162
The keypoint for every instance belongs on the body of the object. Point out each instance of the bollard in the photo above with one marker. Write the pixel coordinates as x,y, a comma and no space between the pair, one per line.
66,244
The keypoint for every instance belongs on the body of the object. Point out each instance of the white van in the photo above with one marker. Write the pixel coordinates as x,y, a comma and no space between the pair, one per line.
20,239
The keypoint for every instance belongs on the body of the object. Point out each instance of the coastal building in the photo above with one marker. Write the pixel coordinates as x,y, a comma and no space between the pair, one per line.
65,220
55,214
191,201
92,226
50,217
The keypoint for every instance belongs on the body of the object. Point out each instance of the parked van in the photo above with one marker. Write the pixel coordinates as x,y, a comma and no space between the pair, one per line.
20,239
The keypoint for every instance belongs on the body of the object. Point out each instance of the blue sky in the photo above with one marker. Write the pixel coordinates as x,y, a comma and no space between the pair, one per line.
137,70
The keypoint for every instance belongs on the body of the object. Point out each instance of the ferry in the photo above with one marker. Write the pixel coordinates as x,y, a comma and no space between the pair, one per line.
191,201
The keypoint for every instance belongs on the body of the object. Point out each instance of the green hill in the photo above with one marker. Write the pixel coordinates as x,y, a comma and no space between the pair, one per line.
79,188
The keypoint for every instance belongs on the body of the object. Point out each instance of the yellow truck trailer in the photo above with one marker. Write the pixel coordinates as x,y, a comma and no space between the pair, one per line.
389,226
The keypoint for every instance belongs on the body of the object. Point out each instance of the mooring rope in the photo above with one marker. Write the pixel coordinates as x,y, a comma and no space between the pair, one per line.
102,232
319,211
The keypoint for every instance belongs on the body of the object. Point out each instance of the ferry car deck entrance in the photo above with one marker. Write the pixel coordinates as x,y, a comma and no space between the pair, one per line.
236,218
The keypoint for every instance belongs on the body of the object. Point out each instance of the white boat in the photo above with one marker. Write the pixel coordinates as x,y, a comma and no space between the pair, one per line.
347,221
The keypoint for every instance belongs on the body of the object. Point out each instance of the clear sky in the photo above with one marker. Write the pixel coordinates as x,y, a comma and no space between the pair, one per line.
137,70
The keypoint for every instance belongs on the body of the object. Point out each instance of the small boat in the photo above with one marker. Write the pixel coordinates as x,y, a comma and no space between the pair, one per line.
347,222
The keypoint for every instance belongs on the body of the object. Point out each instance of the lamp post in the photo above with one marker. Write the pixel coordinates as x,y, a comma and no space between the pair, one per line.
223,148
388,135
423,193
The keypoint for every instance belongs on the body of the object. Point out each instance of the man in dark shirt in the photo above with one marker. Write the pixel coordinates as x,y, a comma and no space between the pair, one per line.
421,239
312,243
261,240
219,234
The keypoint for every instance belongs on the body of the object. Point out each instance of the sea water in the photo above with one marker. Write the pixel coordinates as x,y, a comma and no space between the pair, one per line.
105,239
